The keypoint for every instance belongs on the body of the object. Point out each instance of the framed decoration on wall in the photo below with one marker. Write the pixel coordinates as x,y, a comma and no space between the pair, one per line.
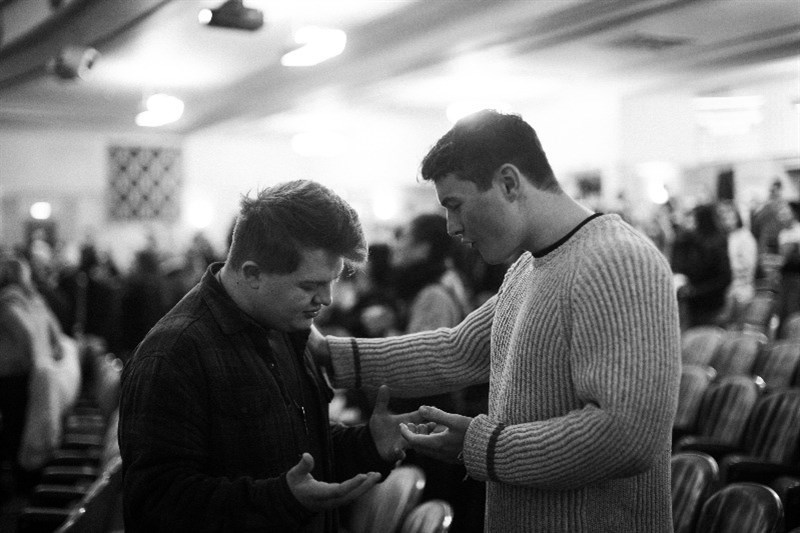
144,183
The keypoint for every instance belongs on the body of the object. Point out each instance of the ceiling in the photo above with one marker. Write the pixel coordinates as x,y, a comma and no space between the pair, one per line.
404,56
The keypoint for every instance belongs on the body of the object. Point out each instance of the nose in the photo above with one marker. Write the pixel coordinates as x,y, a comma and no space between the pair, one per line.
324,295
454,226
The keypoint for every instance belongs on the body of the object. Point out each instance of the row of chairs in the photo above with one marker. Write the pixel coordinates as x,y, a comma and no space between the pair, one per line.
741,433
394,506
702,503
737,415
761,315
742,353
79,489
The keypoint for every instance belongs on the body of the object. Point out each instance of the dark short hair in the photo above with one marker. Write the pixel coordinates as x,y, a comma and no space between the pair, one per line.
274,227
706,219
478,144
431,228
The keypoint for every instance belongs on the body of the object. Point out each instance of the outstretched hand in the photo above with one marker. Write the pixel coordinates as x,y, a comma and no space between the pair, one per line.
317,495
385,427
441,437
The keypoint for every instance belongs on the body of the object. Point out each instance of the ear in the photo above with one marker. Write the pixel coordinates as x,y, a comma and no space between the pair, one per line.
251,273
509,178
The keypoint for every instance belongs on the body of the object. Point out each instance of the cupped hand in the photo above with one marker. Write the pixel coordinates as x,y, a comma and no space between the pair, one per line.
441,436
317,495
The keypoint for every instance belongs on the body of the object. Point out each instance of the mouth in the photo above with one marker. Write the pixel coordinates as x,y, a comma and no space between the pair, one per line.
311,314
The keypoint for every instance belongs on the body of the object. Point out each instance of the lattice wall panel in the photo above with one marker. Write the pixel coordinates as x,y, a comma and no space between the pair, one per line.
144,183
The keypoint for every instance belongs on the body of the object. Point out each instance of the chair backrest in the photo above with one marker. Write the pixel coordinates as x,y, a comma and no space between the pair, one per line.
790,328
740,507
738,352
695,380
760,314
101,508
110,441
108,369
695,476
778,364
699,344
385,506
726,408
433,516
773,431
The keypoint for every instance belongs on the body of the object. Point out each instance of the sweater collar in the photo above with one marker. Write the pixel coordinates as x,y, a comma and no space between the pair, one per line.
544,251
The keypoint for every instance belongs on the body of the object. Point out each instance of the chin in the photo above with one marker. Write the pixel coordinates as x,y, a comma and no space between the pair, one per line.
301,324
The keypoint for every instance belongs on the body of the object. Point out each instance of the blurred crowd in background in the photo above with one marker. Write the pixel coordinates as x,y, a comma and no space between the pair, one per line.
421,280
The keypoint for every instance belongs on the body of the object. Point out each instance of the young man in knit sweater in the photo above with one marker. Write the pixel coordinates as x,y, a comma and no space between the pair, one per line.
580,347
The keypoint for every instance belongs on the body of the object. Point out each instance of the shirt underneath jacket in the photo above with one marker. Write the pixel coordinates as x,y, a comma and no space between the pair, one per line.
215,409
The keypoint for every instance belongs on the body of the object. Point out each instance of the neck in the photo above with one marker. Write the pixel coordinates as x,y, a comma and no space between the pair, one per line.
230,281
552,216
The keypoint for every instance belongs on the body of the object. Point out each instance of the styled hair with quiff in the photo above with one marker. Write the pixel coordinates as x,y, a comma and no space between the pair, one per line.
273,228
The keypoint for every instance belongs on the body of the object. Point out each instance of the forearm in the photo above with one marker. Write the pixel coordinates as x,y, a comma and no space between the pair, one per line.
418,364
583,447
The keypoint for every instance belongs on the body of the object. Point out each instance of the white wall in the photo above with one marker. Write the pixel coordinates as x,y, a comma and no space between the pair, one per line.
379,166
68,169
662,129
631,142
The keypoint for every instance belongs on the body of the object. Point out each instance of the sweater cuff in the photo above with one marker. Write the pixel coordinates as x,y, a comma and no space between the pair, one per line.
277,499
345,361
480,443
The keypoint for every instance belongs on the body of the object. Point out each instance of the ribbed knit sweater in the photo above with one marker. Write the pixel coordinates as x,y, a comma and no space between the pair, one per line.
581,350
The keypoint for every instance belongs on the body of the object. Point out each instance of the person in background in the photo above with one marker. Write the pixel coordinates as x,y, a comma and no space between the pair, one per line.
789,246
580,347
376,309
766,223
223,415
29,331
431,291
743,257
145,299
701,254
95,293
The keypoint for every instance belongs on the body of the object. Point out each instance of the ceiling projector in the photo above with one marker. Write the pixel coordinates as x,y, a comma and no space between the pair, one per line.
233,14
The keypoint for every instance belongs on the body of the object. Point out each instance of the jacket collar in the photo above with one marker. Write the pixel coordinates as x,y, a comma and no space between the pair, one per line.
230,318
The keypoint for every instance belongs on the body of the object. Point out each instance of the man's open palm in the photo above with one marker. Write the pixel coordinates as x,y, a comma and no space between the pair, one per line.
317,495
